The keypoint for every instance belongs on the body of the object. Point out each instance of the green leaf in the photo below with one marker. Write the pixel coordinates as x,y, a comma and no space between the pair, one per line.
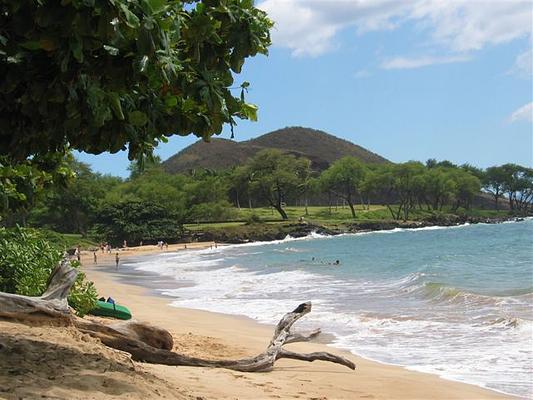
171,101
111,50
114,100
249,111
31,45
131,19
76,47
156,5
137,118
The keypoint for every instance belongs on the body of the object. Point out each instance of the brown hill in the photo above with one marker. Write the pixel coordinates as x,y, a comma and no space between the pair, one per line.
320,147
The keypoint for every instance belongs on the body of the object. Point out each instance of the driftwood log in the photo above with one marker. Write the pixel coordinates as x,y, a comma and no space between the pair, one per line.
147,343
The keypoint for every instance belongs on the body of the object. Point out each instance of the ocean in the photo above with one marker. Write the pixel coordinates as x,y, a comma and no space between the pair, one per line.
453,301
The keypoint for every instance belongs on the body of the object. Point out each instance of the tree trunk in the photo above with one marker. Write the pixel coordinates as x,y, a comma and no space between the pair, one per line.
391,211
277,204
281,211
352,209
147,343
237,199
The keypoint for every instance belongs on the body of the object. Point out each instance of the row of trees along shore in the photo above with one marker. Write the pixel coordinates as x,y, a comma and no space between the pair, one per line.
152,204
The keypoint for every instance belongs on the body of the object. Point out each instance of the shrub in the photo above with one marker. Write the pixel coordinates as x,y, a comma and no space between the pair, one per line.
26,262
213,211
253,219
135,221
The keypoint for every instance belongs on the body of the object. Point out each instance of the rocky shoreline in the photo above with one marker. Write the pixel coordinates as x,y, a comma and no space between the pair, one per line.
260,232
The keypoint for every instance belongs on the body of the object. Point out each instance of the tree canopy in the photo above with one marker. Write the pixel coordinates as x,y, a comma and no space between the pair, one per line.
344,179
122,74
274,176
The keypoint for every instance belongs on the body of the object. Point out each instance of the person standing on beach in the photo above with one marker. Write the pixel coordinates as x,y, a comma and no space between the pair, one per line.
78,253
94,256
117,259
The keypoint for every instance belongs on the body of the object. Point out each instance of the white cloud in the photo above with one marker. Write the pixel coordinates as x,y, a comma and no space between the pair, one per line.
309,27
523,66
418,62
524,113
362,74
465,25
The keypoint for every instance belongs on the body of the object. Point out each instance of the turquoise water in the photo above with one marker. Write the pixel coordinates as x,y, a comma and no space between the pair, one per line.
452,301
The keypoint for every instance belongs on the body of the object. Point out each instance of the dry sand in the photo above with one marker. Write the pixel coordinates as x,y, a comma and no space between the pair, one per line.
75,366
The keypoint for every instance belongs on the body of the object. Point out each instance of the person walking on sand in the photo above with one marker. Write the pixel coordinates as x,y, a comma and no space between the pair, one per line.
94,257
117,259
77,252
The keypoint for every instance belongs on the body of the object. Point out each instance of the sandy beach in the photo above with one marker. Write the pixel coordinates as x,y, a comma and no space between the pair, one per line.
89,370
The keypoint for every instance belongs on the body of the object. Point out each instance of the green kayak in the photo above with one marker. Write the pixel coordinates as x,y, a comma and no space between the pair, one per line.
105,309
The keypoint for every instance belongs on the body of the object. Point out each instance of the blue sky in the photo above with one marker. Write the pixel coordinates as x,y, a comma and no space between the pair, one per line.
409,80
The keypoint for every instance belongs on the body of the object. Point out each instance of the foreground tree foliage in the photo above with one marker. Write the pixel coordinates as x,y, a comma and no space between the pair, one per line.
109,75
147,343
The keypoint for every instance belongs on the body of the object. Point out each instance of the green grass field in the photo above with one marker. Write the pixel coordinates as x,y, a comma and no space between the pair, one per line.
327,216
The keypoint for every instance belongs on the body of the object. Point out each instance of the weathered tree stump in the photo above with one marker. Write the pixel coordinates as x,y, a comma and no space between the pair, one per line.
147,343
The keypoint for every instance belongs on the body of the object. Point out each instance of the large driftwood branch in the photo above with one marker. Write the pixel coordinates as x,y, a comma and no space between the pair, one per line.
151,344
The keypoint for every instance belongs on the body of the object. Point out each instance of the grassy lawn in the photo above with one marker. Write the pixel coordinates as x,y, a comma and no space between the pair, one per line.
69,240
327,216
316,213
216,225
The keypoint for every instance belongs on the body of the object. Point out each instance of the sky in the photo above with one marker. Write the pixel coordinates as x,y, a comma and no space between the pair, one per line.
409,80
